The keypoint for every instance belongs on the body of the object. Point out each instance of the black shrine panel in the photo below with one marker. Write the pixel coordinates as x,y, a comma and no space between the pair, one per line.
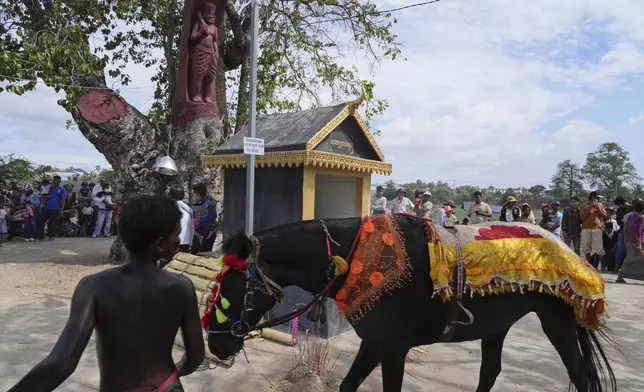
278,198
348,139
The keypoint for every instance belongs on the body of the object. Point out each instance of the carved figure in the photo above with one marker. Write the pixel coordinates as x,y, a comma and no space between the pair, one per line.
204,53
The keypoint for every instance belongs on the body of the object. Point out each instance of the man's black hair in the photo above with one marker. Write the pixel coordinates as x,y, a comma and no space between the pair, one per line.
176,192
3,183
593,195
56,178
574,198
379,188
145,218
619,200
477,193
200,188
638,205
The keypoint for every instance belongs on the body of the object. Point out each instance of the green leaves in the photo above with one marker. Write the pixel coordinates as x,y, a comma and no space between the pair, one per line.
610,167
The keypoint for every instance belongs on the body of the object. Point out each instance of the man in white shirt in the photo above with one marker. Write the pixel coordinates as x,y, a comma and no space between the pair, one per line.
187,215
424,210
478,211
401,204
378,202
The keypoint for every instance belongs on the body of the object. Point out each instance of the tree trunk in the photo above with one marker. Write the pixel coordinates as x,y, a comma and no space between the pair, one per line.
131,145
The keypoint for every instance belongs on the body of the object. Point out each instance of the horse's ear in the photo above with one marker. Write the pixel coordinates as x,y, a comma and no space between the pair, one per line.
317,312
239,245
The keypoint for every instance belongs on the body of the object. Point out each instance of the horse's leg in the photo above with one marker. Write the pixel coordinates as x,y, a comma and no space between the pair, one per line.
560,327
363,365
393,368
491,348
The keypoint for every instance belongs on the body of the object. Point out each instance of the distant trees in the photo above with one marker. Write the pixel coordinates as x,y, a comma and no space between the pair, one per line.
609,168
567,180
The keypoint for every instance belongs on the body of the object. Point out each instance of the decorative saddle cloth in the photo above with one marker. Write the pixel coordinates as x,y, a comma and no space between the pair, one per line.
501,257
497,258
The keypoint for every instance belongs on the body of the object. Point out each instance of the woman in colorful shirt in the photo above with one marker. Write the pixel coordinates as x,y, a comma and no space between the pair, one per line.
633,242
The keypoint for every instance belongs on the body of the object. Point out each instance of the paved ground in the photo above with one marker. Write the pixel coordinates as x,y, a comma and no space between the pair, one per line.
61,250
30,323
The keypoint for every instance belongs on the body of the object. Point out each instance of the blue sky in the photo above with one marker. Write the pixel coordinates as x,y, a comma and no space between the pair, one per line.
491,92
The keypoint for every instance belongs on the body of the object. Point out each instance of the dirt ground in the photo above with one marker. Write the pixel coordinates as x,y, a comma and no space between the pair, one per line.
34,306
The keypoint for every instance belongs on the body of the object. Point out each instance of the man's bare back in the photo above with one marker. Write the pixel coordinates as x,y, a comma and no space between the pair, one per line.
136,310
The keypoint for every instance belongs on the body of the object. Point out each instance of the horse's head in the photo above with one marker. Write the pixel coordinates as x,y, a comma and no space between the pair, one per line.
243,300
289,255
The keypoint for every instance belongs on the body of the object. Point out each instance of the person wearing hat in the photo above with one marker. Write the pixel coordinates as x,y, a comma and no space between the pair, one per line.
592,214
424,209
556,217
378,202
450,219
441,212
546,221
401,204
526,214
510,211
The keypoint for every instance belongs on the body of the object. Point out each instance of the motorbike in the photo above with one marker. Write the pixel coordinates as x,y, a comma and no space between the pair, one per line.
18,223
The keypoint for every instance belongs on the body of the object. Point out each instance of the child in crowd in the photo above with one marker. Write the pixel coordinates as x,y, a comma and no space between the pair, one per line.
4,219
609,236
466,221
450,219
30,222
546,217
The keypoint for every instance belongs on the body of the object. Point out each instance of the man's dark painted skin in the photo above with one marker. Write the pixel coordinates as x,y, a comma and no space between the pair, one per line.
136,310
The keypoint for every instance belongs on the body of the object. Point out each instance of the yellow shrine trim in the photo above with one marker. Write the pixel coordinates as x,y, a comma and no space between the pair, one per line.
349,110
296,158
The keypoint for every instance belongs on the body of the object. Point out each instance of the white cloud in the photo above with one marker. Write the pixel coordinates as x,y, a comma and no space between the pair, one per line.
636,119
492,92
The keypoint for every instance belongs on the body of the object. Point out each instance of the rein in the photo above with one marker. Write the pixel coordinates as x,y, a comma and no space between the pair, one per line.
241,328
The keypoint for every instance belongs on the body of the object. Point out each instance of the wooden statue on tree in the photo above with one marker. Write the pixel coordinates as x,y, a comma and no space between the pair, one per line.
198,60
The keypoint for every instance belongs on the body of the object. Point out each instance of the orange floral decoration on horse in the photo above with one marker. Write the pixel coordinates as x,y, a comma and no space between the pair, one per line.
380,265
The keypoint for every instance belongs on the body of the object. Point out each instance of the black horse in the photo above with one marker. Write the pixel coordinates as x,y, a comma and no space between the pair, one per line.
296,255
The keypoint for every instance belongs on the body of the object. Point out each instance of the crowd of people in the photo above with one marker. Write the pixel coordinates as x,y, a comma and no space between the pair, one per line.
47,209
603,235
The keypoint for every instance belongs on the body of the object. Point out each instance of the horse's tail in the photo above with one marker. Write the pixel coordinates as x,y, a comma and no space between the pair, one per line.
600,373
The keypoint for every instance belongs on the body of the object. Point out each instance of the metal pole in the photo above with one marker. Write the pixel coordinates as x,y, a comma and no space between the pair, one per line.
252,108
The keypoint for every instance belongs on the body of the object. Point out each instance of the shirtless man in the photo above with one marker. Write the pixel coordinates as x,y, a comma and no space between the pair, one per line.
136,309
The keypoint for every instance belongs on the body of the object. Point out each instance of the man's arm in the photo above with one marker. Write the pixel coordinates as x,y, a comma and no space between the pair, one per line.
63,197
191,333
584,211
487,211
469,210
63,359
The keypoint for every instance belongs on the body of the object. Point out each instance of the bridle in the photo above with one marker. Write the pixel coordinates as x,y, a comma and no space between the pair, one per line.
241,328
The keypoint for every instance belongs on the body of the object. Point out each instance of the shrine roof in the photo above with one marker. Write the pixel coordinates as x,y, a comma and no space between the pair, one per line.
306,138
284,131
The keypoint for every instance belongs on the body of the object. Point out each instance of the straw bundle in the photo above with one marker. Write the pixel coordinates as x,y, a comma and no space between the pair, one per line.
201,271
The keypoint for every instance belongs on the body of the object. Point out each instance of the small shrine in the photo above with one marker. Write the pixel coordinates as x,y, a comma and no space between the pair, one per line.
317,165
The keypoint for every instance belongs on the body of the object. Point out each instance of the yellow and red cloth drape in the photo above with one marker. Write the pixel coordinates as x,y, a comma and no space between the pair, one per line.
502,257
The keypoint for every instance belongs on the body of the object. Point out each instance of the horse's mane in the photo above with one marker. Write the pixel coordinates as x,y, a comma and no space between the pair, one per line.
301,225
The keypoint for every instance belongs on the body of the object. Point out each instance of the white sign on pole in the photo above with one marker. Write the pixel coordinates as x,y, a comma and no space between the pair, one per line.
253,146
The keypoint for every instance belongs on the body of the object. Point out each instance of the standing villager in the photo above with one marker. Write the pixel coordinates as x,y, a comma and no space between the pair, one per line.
441,212
478,211
401,204
103,201
633,240
526,214
378,202
609,240
5,213
137,308
623,208
424,209
510,212
205,212
187,217
571,225
30,222
450,220
556,217
592,215
52,210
